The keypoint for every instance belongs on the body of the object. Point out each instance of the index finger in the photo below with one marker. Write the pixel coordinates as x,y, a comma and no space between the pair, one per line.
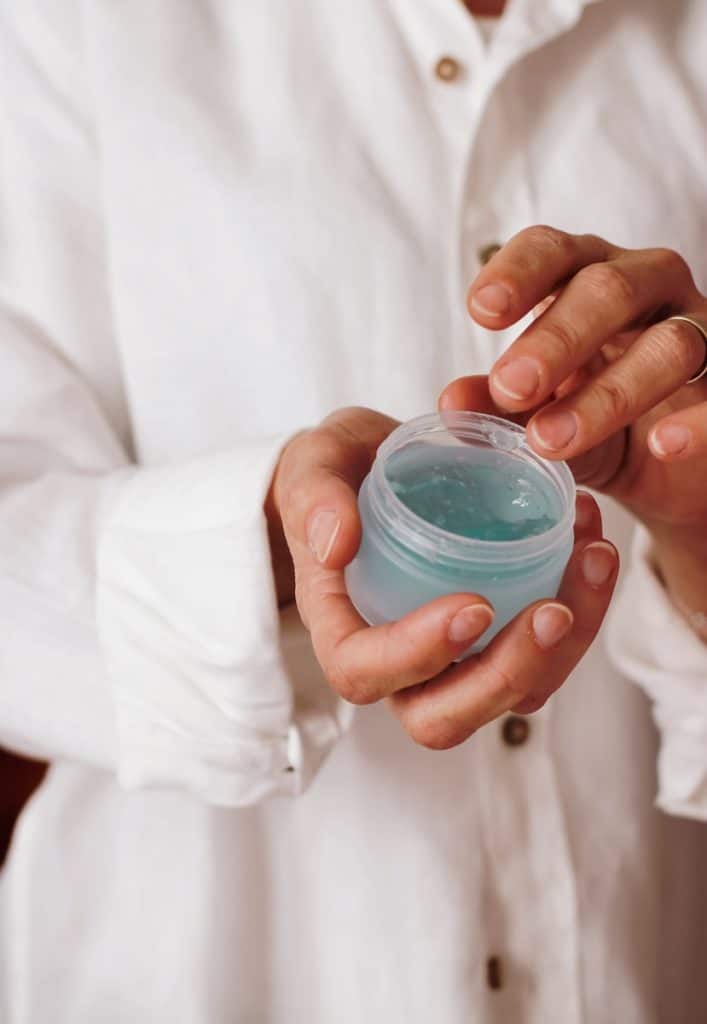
532,265
365,663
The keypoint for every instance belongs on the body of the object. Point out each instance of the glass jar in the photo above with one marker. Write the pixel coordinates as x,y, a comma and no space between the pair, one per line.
458,501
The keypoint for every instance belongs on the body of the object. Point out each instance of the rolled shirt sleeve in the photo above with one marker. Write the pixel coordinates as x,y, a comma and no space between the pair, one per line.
189,623
651,643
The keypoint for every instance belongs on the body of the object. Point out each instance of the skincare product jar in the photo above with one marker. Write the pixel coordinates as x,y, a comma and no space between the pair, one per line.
458,501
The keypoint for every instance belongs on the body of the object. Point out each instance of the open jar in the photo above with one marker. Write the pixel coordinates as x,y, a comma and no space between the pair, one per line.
458,501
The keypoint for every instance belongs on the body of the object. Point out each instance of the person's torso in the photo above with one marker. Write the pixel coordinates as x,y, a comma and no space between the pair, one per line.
295,202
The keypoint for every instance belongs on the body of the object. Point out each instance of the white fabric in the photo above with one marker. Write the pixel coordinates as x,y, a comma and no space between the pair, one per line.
674,676
219,222
486,27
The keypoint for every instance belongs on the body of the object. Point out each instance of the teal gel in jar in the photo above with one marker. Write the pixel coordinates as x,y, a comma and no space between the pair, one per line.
459,502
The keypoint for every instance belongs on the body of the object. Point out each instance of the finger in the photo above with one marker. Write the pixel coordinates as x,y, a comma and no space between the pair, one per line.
576,380
532,265
527,661
682,435
660,362
316,486
364,663
587,587
601,301
598,467
587,517
472,393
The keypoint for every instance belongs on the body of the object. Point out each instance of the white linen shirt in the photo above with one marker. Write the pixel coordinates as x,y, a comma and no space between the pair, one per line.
219,222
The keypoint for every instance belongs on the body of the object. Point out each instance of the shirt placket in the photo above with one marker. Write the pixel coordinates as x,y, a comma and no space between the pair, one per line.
531,925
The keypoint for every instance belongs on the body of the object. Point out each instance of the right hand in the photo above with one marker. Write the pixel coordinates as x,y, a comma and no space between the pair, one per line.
313,505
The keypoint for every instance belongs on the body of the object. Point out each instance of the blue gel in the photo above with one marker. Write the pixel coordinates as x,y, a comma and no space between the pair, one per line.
462,495
459,502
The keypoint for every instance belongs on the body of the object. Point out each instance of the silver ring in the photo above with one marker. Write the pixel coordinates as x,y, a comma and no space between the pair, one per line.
702,372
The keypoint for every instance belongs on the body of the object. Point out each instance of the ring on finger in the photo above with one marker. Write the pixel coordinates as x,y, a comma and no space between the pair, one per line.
702,330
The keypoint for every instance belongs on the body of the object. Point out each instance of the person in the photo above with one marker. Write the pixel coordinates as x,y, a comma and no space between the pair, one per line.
236,244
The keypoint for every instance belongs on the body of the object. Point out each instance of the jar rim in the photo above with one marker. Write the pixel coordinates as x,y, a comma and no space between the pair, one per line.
497,434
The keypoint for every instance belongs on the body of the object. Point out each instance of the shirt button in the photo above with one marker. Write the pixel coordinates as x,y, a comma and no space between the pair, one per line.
448,69
515,730
494,973
487,251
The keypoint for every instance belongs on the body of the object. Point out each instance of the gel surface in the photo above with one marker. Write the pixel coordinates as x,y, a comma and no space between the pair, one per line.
473,493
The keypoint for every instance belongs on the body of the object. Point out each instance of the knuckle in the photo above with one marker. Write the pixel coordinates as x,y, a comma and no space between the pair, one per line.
435,733
330,439
296,445
359,427
402,646
614,399
562,340
348,416
532,702
544,237
349,686
674,263
513,685
339,441
610,283
595,242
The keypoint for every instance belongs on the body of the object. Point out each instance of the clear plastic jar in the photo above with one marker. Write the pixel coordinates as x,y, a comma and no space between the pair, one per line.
406,560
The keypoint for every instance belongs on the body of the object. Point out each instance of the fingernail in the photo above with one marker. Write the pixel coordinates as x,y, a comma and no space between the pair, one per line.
670,439
322,533
555,430
598,563
518,379
551,622
469,623
584,510
492,300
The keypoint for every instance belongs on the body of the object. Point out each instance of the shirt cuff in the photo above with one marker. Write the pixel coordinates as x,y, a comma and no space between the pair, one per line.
188,619
652,644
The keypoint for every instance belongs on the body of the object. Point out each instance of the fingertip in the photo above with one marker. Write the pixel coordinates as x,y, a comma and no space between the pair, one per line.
445,402
469,623
587,518
551,622
454,395
468,393
490,304
669,440
599,562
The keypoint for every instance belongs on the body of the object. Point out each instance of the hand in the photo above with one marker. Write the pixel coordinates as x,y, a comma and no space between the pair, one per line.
600,377
411,663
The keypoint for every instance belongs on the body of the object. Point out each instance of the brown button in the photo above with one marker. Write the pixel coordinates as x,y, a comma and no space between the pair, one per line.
515,730
494,973
447,69
487,251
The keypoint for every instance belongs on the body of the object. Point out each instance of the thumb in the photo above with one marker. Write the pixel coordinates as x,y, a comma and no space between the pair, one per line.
317,482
